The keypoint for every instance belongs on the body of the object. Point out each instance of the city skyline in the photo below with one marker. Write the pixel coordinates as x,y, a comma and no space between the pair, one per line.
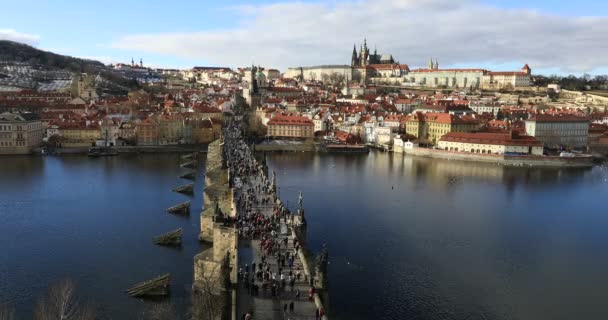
239,33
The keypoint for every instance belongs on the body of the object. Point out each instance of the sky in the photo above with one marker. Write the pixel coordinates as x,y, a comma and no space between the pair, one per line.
553,37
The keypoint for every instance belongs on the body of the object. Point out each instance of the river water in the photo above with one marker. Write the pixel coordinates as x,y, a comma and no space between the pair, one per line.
93,220
409,238
417,238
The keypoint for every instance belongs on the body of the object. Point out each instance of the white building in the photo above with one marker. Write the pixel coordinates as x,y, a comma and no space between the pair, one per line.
559,130
320,72
491,143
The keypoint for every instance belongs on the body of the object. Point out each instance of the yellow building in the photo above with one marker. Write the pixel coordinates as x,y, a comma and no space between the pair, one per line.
79,134
171,129
430,127
291,127
19,133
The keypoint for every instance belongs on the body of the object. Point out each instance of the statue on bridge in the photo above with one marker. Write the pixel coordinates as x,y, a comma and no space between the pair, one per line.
273,182
300,205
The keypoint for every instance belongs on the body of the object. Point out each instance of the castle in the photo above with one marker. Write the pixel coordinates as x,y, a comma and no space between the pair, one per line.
366,66
365,58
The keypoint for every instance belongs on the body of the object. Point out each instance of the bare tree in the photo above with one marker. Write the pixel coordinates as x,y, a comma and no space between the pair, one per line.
7,312
63,303
210,295
256,127
159,311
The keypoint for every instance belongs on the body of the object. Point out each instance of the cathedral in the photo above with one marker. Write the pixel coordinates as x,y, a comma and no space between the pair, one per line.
365,58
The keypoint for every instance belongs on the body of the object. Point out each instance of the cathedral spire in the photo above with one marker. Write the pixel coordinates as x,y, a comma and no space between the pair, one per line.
354,59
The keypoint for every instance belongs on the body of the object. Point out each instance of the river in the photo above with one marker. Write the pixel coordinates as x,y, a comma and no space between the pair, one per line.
417,238
409,238
93,220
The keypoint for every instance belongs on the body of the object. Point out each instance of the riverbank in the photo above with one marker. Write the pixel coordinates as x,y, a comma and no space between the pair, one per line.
507,160
285,145
133,149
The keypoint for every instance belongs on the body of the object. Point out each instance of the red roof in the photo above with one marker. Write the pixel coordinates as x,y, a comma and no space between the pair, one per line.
539,117
438,117
511,139
507,73
290,120
449,70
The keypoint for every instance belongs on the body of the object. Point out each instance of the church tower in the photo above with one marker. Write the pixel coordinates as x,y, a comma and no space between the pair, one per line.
354,61
431,66
253,84
436,67
364,53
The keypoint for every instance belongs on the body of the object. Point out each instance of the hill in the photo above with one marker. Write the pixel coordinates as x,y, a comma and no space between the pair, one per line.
18,52
14,52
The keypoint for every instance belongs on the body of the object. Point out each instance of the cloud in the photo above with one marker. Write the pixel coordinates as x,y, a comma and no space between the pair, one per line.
467,32
13,35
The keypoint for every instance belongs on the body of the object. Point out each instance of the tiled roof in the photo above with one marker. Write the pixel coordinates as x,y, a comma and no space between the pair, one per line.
512,139
557,118
290,120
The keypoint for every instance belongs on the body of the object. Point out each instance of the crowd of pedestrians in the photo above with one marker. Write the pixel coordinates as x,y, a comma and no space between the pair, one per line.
275,272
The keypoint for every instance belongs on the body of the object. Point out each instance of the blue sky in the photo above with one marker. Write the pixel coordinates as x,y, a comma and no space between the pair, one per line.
187,33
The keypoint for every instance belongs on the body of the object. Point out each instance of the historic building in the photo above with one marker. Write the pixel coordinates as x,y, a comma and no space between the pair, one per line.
430,127
290,127
559,130
366,58
433,77
491,143
256,80
19,133
320,72
367,66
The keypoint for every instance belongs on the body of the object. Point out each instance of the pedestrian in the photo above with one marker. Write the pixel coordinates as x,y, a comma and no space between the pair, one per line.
291,307
285,308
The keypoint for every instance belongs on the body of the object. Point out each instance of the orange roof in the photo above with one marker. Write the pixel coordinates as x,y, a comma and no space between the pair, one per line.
507,73
449,70
557,118
290,120
512,139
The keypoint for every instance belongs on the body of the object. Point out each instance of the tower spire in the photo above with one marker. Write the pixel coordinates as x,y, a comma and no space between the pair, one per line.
354,59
